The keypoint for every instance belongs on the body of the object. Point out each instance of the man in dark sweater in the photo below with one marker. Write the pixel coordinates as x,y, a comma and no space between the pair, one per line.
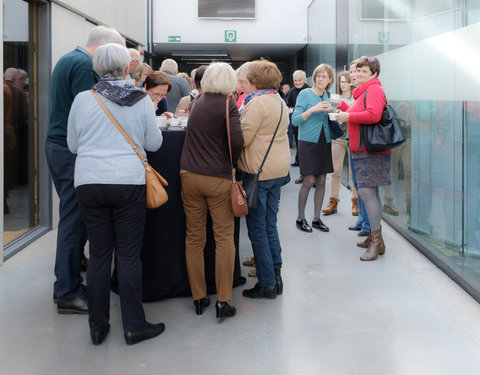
73,74
300,83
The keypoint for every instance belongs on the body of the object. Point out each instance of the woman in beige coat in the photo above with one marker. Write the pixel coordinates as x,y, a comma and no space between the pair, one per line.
264,110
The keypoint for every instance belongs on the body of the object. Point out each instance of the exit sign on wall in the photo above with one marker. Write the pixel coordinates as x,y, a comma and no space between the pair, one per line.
174,39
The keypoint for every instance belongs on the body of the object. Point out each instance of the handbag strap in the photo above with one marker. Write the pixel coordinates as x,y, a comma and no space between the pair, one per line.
269,146
227,114
119,127
360,138
271,142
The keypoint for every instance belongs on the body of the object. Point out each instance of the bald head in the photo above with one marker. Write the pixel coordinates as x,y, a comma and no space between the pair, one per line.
10,74
134,59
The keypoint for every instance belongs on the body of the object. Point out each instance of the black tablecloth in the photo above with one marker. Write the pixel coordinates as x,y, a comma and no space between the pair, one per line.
163,253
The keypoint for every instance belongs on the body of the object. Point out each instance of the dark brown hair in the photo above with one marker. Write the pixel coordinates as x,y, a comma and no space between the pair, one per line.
372,63
157,78
264,74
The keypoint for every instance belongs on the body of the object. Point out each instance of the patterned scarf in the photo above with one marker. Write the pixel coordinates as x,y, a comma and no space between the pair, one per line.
253,95
114,89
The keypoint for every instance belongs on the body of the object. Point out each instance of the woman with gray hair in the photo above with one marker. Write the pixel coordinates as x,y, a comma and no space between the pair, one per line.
110,187
206,185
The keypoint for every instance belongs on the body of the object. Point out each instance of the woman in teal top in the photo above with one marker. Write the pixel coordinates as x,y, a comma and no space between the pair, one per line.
314,144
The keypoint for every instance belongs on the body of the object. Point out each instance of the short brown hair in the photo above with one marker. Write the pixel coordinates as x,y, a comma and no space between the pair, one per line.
324,68
157,78
264,74
370,61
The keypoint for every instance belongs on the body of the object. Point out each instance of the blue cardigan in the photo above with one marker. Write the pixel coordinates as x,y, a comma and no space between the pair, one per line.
309,129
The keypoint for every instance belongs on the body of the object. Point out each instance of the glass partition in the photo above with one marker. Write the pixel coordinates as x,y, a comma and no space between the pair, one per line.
427,52
20,129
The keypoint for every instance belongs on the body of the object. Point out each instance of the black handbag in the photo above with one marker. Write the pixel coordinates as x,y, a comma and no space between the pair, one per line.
384,135
250,181
335,130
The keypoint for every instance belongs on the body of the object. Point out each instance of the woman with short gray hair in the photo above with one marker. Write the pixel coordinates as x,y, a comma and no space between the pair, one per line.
110,187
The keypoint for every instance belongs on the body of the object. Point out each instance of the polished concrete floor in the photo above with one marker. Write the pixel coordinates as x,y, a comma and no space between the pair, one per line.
397,315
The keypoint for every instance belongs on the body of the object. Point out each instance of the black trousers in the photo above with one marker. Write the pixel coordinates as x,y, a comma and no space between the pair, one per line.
115,219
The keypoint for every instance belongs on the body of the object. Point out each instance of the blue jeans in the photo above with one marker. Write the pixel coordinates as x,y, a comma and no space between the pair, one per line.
262,231
72,234
362,220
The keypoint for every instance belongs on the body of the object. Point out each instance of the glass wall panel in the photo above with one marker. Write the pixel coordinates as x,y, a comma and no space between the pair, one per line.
427,50
19,89
321,35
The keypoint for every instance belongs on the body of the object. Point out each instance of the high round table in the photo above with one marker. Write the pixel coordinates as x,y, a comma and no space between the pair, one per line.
163,253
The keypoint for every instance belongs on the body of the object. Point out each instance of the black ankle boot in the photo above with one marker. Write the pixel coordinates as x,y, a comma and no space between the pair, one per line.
257,292
200,304
224,310
279,285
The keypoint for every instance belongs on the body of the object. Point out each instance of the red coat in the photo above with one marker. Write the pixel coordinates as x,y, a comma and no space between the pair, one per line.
361,115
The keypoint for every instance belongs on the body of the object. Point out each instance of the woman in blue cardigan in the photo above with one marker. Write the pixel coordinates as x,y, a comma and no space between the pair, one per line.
314,143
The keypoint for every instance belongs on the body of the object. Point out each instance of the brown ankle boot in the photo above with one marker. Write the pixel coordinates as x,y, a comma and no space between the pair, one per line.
332,206
365,242
355,207
376,246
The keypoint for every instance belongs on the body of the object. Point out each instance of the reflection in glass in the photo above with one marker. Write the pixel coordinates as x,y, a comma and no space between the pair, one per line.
19,194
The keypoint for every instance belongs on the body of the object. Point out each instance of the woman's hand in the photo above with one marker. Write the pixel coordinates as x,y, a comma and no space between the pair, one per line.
343,116
322,106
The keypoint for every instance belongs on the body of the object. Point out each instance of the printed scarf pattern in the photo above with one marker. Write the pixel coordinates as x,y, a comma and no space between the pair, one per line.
114,89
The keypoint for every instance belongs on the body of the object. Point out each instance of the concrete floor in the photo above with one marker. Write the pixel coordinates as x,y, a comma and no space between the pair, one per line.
397,315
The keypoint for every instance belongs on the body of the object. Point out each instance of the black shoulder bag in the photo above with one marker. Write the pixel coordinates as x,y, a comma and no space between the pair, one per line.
250,181
384,135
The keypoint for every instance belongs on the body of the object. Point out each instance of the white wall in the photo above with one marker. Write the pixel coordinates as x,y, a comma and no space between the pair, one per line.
128,17
277,21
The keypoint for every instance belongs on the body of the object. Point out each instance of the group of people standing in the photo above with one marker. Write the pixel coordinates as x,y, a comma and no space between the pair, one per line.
318,154
101,180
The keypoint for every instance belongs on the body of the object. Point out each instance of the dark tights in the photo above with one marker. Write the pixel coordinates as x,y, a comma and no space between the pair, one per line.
307,184
371,198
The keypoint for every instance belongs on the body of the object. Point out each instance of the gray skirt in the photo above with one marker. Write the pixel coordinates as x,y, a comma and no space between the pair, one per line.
315,158
371,169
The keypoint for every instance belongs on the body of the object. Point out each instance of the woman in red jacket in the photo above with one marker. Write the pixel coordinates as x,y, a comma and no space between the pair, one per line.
372,169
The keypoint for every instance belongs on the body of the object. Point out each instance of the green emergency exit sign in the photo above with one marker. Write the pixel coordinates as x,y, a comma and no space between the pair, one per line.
230,36
174,39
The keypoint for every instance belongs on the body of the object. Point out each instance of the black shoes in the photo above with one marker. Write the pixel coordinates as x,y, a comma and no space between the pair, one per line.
257,292
294,164
318,224
362,233
299,180
200,304
78,305
98,337
225,310
303,226
354,227
279,280
149,331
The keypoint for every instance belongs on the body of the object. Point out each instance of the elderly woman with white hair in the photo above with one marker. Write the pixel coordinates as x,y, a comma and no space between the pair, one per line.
206,185
110,187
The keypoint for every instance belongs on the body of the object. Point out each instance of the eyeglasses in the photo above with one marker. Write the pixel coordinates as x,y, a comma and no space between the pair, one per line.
371,59
323,76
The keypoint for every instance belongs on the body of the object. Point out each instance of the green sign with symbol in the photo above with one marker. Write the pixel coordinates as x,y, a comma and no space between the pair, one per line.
174,39
383,37
230,36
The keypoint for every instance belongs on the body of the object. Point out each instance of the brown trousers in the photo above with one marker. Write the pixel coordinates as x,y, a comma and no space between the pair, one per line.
200,194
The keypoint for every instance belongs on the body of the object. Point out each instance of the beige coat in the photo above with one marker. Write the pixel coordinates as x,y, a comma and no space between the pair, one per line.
259,119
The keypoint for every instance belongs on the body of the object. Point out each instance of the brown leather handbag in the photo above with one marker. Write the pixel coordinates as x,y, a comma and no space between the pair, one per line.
154,182
238,195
